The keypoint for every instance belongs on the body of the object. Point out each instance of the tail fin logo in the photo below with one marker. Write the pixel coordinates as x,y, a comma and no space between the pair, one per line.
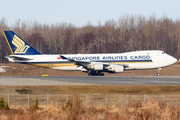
21,47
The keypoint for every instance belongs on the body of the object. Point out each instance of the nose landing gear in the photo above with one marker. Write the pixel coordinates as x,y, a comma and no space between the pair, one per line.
158,74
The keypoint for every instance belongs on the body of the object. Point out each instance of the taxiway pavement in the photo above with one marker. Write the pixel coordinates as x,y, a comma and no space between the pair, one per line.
88,80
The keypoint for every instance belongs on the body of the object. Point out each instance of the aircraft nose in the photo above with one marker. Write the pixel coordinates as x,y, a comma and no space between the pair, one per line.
173,60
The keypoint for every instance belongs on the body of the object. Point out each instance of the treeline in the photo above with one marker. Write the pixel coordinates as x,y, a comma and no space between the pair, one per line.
128,33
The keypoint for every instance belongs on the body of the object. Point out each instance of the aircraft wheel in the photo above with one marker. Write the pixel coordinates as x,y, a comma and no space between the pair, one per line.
158,74
102,74
92,74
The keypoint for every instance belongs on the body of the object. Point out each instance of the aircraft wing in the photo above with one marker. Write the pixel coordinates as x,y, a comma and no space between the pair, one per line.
87,62
17,58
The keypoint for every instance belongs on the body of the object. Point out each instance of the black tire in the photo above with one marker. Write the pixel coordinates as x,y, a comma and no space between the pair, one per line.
158,74
92,74
102,74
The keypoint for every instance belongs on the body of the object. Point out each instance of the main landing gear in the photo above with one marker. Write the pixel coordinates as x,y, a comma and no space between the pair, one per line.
158,74
95,73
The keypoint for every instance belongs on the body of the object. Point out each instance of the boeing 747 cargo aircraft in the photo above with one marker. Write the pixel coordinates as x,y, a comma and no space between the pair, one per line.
93,64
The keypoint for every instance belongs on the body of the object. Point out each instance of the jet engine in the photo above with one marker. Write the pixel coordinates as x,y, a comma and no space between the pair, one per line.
95,66
116,68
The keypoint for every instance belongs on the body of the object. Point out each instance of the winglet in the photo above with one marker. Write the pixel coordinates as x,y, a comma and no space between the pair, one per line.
63,57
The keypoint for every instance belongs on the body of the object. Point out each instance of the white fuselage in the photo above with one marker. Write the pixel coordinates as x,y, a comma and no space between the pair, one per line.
147,59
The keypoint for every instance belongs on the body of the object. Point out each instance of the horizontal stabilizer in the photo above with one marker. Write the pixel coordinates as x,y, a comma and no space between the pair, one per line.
18,58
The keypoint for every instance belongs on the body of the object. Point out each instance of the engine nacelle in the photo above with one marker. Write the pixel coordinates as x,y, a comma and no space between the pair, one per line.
116,69
95,66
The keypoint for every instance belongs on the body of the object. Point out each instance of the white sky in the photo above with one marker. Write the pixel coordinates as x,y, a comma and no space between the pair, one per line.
80,12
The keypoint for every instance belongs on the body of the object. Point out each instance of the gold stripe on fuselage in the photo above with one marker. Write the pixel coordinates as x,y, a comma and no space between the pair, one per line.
50,65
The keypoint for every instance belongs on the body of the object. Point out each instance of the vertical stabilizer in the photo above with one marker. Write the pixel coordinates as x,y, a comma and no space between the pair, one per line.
17,45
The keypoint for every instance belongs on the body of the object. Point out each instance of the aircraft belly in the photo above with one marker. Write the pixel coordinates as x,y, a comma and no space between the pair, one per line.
140,66
136,64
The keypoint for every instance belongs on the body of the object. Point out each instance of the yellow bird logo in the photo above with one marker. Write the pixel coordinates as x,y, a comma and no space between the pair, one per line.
21,47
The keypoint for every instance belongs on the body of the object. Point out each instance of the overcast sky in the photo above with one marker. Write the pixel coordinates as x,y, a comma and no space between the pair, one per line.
80,12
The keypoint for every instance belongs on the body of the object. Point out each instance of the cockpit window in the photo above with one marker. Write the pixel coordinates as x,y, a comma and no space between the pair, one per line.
163,52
